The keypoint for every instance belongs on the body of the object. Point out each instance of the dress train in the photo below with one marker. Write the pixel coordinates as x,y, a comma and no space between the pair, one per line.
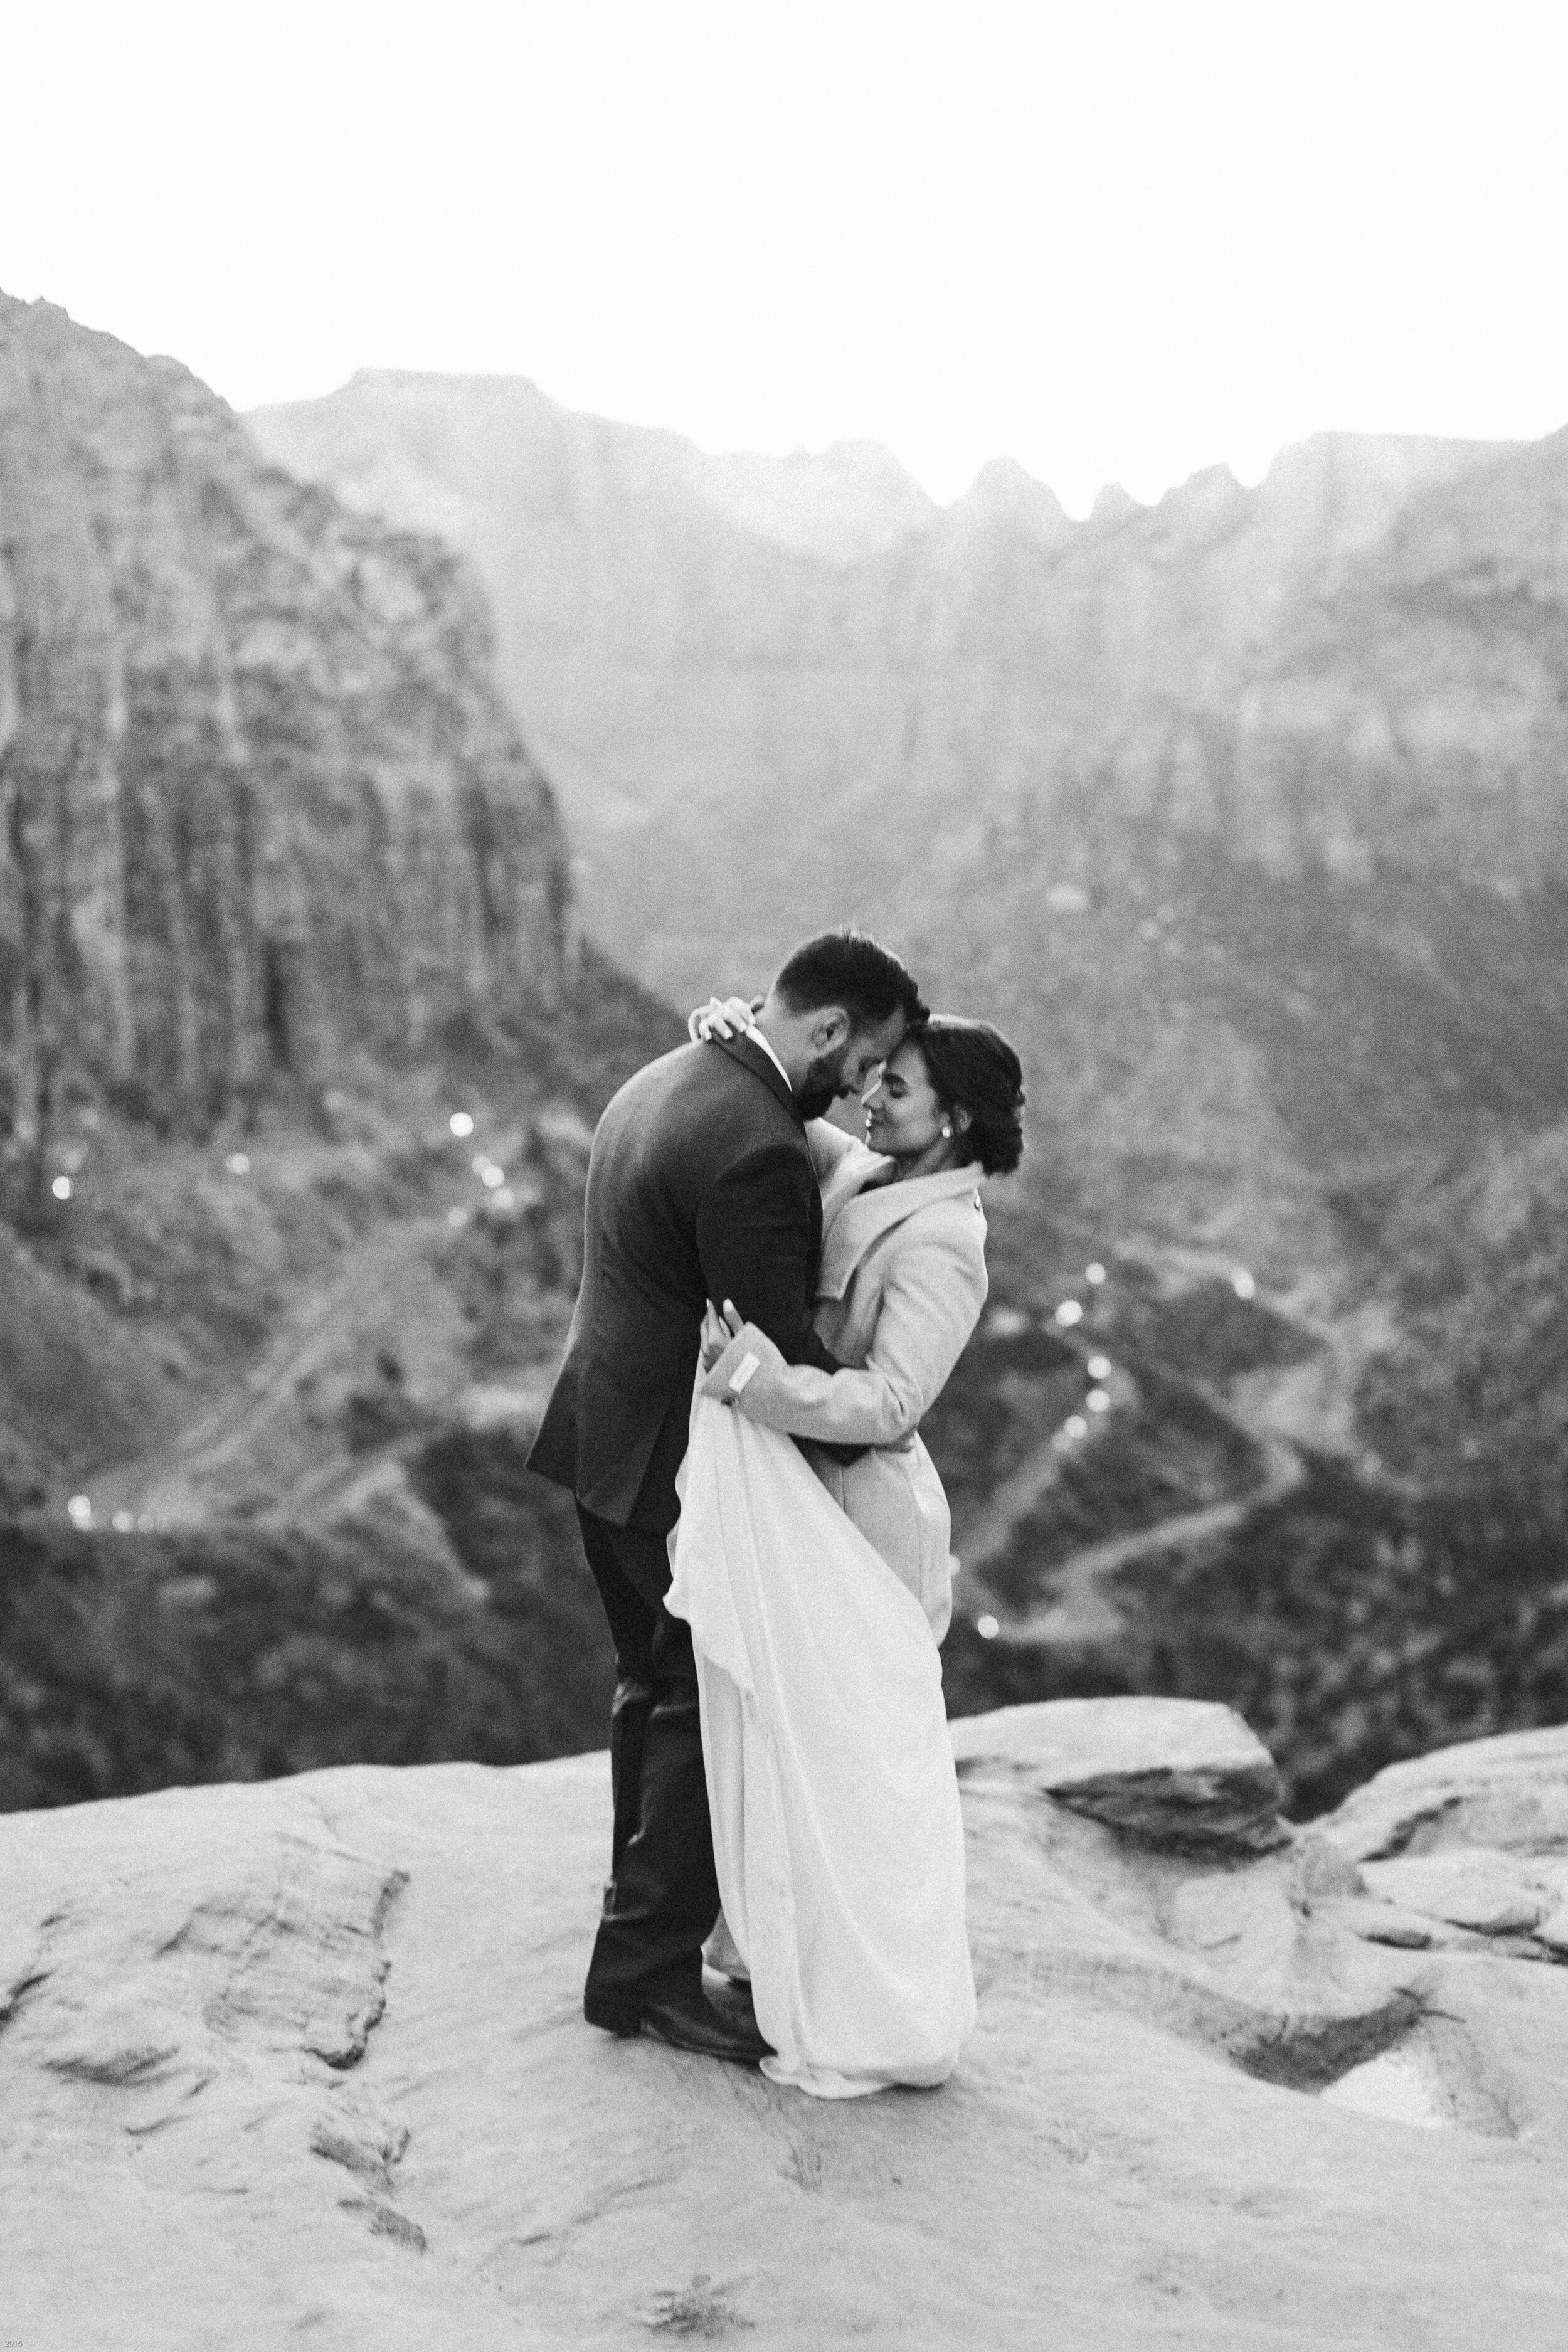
836,1829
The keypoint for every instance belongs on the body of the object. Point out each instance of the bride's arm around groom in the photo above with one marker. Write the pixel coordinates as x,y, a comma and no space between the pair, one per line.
904,1270
900,1287
917,1303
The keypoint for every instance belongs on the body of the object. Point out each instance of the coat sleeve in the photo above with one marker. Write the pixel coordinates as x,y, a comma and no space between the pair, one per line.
829,1145
931,1299
754,1244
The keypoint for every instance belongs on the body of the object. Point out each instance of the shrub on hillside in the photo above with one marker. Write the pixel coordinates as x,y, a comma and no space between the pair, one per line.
130,1663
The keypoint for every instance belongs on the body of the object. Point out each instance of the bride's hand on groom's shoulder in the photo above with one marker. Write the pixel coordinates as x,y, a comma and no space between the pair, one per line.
727,1016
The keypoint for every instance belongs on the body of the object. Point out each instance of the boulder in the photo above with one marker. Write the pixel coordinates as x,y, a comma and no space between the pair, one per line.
1174,1772
305,2061
1479,1887
1384,1923
1510,1793
1554,1933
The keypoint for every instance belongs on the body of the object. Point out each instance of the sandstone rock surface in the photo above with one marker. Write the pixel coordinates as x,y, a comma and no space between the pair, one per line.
1511,1792
1174,1770
303,2062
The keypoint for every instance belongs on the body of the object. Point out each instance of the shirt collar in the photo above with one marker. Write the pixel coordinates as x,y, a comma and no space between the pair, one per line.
749,1052
757,1038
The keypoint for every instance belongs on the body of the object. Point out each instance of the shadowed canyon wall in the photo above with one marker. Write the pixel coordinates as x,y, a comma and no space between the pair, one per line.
260,801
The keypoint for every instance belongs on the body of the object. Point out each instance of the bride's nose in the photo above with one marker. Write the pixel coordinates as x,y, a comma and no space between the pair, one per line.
873,1088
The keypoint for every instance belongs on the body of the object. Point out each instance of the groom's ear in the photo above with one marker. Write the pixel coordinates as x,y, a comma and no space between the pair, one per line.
830,1029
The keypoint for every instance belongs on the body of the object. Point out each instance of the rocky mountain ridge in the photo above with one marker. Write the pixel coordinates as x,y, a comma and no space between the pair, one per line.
694,672
1241,810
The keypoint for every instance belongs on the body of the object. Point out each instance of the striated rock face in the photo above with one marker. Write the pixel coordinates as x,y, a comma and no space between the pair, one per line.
1252,669
1414,703
261,800
311,2055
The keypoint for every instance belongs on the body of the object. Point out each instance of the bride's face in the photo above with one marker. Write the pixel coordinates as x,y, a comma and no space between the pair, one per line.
903,1116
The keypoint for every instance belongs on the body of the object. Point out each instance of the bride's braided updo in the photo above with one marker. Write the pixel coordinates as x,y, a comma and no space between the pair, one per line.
972,1069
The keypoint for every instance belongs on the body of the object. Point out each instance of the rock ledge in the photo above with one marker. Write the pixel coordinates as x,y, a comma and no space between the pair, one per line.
309,2054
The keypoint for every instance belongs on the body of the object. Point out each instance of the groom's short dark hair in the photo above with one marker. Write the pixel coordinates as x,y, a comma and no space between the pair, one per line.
849,968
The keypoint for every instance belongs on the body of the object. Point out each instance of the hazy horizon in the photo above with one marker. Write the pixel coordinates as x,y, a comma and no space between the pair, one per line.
864,441
1248,478
1118,246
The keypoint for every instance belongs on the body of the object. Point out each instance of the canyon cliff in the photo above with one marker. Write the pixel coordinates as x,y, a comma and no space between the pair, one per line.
261,803
280,887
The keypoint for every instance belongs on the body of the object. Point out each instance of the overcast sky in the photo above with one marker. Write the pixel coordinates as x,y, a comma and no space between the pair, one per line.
1115,240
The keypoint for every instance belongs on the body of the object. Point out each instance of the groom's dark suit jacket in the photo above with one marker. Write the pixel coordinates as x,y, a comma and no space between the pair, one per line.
700,1186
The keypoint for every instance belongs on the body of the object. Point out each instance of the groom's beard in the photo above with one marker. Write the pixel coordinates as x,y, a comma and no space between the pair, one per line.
822,1083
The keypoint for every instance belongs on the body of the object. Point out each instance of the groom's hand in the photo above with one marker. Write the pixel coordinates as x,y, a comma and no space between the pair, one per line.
718,1331
754,1243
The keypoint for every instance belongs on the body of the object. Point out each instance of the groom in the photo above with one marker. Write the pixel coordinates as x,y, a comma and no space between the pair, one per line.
701,1186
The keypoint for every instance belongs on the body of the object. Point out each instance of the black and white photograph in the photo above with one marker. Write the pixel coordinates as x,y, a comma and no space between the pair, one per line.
783,1175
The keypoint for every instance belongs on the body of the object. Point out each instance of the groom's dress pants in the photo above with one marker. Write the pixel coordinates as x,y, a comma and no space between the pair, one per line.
662,1896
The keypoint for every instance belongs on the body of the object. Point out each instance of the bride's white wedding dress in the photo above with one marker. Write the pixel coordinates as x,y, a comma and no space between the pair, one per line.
835,1805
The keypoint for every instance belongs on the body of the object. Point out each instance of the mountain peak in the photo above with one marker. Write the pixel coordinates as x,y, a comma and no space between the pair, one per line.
1005,491
1211,488
367,379
1113,505
851,500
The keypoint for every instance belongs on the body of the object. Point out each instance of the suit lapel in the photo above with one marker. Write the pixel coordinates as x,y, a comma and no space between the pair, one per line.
754,1057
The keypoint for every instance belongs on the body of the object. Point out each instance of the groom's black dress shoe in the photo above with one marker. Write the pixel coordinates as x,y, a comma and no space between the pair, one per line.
687,2021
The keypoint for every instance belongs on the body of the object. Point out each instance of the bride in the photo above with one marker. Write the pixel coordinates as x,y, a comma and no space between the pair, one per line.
817,1588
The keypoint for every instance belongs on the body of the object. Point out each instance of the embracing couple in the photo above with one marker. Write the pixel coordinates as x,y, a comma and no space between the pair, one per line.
768,1308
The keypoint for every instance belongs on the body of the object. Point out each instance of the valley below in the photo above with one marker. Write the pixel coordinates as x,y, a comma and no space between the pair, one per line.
324,1547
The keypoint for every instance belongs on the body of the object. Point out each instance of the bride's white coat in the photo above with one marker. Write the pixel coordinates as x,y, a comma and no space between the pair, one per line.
900,1288
830,1777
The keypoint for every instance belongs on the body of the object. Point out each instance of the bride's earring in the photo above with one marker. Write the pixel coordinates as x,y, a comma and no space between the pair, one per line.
947,1126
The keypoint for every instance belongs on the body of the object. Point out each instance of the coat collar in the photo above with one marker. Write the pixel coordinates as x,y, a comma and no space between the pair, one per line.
753,1057
873,1213
857,1172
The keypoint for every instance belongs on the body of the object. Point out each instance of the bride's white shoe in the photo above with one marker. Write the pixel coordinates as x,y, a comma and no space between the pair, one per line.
721,1954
